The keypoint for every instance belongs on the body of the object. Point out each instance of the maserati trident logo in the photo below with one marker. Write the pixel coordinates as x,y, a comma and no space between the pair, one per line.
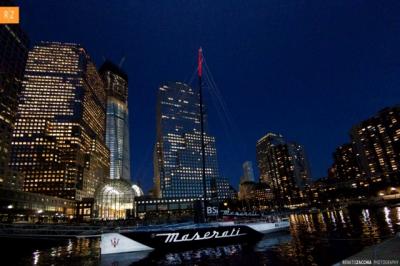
114,242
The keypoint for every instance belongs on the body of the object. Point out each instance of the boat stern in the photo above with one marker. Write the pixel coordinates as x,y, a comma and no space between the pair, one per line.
264,227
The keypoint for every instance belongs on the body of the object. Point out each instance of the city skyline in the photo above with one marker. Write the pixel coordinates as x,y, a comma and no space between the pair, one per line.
334,84
187,132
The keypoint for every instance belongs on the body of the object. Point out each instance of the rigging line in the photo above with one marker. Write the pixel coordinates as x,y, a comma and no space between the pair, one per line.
215,87
219,97
222,102
216,102
209,83
221,116
229,116
217,93
226,131
190,81
218,108
232,147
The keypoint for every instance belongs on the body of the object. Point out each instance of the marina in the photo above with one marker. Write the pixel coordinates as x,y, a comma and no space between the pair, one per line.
199,133
322,238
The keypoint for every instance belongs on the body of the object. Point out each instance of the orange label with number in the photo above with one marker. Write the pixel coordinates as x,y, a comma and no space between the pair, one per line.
9,15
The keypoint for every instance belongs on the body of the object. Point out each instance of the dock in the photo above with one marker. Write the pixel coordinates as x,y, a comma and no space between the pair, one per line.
52,231
384,253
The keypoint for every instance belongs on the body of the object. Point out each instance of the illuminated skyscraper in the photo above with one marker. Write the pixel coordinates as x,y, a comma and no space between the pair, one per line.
346,164
177,154
376,142
117,125
284,166
13,53
59,136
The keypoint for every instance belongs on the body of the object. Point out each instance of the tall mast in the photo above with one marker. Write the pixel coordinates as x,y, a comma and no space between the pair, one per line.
203,154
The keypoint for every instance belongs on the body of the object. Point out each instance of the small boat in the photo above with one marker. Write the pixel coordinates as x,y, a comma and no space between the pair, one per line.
188,236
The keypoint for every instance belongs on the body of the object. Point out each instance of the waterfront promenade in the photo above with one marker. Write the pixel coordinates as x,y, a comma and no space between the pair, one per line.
384,253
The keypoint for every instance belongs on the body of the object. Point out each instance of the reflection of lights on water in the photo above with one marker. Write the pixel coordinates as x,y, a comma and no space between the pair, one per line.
398,214
323,218
365,214
200,254
342,217
333,218
321,222
69,246
36,256
292,218
270,242
53,252
386,210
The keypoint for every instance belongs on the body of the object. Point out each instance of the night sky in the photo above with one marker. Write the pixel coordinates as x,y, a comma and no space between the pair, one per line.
306,69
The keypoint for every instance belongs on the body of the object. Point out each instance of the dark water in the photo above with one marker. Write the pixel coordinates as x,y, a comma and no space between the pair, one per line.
314,239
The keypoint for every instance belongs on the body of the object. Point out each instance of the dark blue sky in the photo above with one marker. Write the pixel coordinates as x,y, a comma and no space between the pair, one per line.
306,69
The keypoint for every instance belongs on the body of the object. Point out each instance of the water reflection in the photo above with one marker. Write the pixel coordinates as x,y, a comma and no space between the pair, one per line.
320,238
36,256
398,215
272,241
388,219
199,255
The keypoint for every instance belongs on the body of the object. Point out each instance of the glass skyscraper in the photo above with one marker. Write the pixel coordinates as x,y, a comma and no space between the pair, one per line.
14,45
177,153
117,125
59,136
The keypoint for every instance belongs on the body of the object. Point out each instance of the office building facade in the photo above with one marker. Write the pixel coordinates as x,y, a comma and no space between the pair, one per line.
284,167
117,120
377,143
59,137
14,46
177,153
346,164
